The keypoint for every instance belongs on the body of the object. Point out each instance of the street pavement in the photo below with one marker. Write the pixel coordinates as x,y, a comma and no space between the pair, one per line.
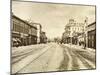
51,57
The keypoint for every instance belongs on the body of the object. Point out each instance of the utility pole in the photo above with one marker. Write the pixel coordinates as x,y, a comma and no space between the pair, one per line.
85,32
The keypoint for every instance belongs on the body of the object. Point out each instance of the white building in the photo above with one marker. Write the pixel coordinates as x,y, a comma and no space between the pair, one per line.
39,27
73,29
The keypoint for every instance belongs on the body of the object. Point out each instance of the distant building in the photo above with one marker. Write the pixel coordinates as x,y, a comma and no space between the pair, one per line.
43,37
72,29
73,26
39,30
23,33
65,37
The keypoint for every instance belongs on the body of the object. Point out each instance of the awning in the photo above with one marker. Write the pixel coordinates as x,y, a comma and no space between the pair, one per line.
18,39
15,35
13,39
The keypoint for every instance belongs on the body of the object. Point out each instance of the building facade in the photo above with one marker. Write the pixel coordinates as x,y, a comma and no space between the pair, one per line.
91,33
39,30
73,29
32,34
23,33
43,37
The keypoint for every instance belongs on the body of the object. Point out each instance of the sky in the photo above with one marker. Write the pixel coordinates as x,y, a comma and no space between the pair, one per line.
52,17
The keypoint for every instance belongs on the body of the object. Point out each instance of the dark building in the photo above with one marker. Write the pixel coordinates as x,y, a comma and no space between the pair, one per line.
43,38
32,34
23,33
65,37
91,32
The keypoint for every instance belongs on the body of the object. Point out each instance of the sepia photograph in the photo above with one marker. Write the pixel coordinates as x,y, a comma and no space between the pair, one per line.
52,37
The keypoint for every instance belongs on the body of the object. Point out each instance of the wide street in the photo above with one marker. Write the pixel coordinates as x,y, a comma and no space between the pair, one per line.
51,57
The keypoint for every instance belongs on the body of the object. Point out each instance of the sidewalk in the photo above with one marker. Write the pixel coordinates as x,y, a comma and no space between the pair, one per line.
80,47
25,49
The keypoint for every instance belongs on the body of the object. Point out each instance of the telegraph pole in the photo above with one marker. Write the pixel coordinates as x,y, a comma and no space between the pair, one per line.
85,32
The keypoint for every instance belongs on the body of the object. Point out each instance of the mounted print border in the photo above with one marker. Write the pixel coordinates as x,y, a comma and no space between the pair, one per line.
52,37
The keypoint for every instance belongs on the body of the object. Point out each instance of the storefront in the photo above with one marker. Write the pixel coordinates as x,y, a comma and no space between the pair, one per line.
92,39
91,33
16,41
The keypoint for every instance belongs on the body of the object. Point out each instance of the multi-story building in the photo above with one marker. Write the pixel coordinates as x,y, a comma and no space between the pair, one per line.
72,29
22,32
32,34
36,33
